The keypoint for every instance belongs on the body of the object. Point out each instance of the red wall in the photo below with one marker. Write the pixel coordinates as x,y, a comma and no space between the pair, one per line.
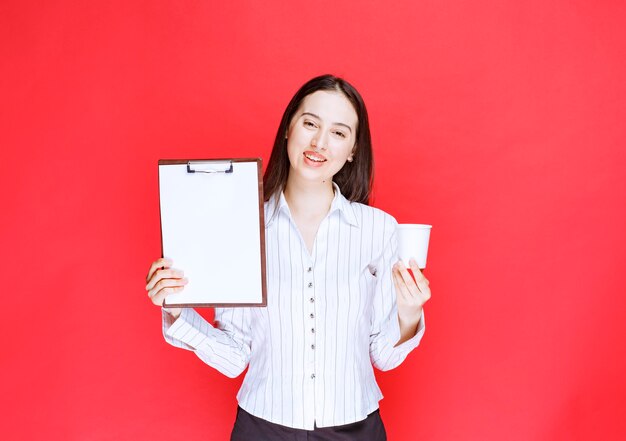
499,122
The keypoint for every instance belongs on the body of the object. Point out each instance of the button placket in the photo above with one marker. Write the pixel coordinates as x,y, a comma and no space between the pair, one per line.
311,313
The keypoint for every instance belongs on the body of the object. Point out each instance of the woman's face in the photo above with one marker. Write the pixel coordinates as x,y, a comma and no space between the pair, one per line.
321,136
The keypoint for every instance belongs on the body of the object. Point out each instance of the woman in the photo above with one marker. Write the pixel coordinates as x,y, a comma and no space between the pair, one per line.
337,303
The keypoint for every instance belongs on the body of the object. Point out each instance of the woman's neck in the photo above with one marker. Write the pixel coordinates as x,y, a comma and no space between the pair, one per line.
309,199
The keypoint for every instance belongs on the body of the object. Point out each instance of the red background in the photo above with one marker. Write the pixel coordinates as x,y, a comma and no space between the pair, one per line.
499,122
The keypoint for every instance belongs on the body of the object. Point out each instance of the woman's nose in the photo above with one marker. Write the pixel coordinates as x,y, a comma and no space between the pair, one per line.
319,141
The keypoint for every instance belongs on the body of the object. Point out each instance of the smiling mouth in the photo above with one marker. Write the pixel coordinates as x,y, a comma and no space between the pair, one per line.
314,158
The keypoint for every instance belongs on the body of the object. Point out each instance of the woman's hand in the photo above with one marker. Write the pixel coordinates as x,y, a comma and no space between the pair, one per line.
411,295
163,280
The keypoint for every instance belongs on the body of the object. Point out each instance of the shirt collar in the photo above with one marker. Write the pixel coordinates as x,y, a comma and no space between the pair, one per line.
339,203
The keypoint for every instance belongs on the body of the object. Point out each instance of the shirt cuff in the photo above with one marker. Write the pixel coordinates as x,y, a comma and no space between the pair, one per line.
172,327
192,330
393,333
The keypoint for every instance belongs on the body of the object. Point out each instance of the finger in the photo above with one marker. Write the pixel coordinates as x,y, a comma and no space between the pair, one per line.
171,273
417,272
158,298
399,283
422,282
167,283
163,262
408,280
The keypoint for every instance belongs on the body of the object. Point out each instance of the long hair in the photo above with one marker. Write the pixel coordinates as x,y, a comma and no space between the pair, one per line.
355,178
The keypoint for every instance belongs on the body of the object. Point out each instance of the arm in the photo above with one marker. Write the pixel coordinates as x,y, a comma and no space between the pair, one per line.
392,336
411,293
225,347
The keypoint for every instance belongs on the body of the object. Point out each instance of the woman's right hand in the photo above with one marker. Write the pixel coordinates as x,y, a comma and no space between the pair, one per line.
163,280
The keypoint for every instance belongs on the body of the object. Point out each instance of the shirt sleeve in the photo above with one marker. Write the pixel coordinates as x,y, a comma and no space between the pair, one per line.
225,347
385,327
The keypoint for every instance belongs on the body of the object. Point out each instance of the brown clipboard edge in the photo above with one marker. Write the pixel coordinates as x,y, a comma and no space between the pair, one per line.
259,163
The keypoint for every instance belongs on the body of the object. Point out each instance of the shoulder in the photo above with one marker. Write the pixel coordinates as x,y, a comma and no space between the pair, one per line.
374,219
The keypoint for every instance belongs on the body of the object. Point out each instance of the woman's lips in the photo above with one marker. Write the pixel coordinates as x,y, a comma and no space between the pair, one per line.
313,158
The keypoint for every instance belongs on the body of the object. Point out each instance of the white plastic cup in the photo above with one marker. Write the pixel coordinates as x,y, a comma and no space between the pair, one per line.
413,243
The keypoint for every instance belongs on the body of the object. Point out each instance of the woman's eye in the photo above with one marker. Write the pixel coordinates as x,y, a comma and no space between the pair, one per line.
309,124
340,134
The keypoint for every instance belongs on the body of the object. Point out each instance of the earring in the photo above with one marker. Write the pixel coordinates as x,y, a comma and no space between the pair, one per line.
350,159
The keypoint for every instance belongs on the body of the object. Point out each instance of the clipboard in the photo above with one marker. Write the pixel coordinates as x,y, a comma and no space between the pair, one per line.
213,228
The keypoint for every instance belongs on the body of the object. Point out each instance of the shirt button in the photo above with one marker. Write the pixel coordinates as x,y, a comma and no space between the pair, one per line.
312,376
313,347
309,269
310,285
312,315
312,299
313,330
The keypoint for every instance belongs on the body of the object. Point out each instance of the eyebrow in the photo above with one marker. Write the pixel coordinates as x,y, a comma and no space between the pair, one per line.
335,123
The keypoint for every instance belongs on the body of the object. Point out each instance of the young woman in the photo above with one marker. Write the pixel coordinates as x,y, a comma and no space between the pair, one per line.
338,302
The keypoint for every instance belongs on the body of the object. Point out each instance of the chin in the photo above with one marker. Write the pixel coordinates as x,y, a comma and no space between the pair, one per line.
314,175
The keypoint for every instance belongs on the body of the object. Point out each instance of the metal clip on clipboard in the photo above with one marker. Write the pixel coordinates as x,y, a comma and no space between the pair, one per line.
209,167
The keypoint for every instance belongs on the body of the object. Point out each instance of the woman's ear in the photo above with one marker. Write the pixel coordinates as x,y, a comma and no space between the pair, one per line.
351,157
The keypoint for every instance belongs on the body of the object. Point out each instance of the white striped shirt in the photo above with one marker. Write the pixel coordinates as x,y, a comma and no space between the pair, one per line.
331,314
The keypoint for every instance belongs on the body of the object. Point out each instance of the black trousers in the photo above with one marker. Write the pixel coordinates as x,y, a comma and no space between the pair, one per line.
251,428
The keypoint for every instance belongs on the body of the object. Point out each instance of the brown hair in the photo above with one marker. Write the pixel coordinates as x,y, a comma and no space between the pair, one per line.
355,178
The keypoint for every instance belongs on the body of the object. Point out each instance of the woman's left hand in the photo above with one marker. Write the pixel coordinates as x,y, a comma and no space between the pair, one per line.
411,295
